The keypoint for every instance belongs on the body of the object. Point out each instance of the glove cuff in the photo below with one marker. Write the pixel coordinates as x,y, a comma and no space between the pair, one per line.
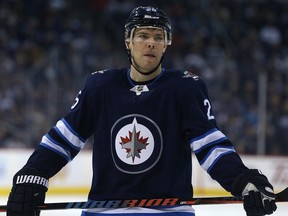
253,176
32,177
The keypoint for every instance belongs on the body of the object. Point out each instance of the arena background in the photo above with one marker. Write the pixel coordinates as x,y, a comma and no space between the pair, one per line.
239,47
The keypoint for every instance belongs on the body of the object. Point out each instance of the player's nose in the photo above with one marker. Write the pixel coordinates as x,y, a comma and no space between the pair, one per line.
151,43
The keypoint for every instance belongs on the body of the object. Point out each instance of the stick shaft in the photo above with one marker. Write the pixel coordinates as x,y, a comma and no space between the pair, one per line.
160,202
164,202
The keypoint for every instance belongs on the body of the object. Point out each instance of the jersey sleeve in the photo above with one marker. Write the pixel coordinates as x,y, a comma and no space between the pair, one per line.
214,151
64,141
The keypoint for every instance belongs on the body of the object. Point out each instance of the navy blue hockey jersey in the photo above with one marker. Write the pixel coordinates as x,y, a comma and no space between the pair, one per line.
143,136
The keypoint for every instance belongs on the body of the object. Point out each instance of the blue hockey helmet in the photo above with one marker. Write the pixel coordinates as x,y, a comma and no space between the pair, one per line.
148,17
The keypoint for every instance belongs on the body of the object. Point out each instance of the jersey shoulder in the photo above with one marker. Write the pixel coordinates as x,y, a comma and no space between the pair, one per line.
106,77
185,79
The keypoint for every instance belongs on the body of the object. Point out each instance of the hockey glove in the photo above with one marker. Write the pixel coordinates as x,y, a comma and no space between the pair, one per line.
28,192
259,198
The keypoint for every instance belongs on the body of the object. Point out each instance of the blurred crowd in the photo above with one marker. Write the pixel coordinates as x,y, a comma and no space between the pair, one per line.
239,47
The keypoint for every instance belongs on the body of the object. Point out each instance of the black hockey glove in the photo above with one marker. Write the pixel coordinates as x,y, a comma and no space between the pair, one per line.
28,192
259,198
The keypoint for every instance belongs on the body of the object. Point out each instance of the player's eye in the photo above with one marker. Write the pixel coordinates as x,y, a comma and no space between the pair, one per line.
159,39
142,37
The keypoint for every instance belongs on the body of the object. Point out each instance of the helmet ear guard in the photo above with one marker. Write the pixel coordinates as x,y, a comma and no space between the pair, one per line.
149,17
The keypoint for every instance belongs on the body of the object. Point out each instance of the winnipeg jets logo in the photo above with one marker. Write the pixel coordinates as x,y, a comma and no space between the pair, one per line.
133,143
136,144
188,74
99,72
138,89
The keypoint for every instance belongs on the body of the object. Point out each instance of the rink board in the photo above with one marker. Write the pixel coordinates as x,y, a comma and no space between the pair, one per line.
76,177
73,182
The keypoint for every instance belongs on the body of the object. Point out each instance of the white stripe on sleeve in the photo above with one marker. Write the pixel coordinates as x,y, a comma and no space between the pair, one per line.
208,138
50,144
69,135
214,156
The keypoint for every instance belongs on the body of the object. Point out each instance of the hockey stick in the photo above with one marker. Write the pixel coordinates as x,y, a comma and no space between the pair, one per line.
163,202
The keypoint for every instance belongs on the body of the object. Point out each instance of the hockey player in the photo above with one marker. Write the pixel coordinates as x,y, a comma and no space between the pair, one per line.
145,121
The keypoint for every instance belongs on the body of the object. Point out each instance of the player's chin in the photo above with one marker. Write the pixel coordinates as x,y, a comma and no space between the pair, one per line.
148,69
149,65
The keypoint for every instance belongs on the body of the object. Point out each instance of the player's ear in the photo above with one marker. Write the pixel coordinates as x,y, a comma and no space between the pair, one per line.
127,44
164,49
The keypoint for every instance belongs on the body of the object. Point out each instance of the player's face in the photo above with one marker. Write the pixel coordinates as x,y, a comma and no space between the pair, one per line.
147,47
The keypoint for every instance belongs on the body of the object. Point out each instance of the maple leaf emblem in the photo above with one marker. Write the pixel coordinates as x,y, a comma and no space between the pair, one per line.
133,144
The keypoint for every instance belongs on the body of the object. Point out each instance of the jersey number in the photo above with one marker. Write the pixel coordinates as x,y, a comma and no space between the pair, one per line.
207,103
76,101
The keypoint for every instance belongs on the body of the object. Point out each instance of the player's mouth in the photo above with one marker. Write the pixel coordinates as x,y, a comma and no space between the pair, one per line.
149,55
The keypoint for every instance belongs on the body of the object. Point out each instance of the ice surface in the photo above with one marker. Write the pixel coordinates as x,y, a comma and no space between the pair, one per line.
201,210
